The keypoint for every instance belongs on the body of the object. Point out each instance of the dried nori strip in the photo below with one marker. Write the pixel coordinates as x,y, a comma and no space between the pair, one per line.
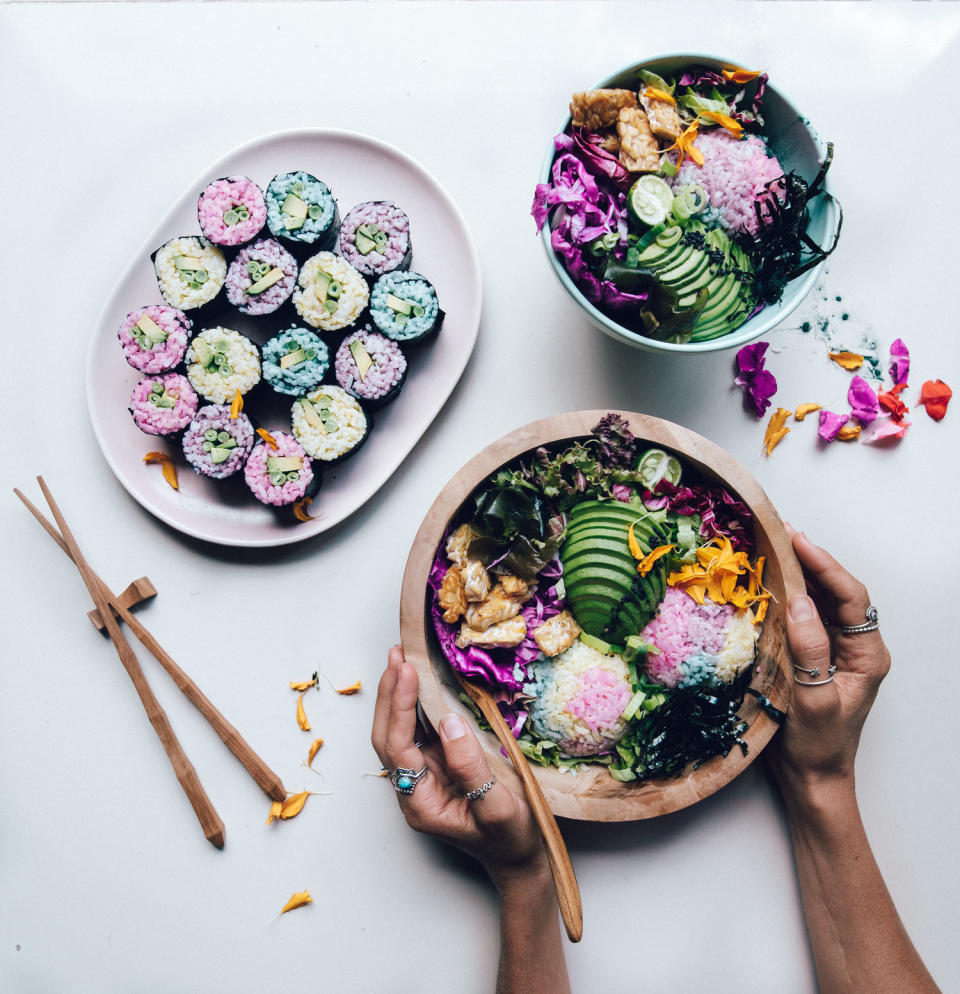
768,706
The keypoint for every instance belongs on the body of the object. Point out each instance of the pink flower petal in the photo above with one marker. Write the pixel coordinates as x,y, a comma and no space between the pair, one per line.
889,429
899,361
750,358
830,424
863,400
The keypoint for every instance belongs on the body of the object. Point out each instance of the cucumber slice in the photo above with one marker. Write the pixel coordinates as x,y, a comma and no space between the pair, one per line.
649,200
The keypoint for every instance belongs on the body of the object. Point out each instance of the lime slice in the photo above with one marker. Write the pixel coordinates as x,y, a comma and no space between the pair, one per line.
649,200
652,467
672,472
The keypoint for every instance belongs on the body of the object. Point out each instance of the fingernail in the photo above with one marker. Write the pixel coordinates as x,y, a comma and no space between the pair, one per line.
801,609
452,727
791,531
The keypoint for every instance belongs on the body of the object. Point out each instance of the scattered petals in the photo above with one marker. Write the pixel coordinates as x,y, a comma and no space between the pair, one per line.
751,358
293,805
888,429
298,900
302,715
275,809
725,121
849,360
654,94
899,362
776,429
646,563
849,433
759,383
935,395
740,75
804,409
300,509
863,400
890,400
303,685
830,425
354,688
236,405
167,466
314,749
267,437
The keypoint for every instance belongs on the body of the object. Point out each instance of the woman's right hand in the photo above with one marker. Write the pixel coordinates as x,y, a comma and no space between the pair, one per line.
818,742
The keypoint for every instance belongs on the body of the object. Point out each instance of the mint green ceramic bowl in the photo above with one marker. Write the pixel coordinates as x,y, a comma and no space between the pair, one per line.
796,145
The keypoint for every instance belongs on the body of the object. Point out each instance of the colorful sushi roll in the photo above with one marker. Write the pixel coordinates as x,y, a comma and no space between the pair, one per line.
331,294
278,474
217,445
404,307
220,363
375,238
301,209
164,404
295,361
261,277
154,339
190,271
329,423
370,367
231,210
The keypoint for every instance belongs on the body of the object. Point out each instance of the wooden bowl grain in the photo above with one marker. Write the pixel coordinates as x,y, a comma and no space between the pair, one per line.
592,794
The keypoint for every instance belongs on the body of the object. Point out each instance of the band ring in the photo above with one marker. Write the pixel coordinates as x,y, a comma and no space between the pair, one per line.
405,780
871,625
477,794
815,672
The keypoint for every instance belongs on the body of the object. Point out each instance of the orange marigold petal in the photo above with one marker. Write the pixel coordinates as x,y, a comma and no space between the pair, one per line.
740,75
761,612
646,563
298,900
302,715
303,685
314,749
274,811
804,409
267,437
725,121
300,509
849,360
167,466
654,94
635,550
354,688
236,405
293,805
848,433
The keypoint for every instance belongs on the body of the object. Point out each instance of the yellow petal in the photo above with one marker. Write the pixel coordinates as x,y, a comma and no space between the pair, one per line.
761,612
696,591
302,715
804,409
653,93
848,433
293,805
849,360
314,749
274,811
635,550
297,901
167,467
300,509
775,427
304,684
646,564
776,438
354,688
740,75
236,405
724,120
267,437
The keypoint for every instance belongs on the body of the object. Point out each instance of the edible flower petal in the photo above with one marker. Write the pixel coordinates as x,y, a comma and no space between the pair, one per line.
167,467
293,805
657,94
804,409
892,402
724,120
830,425
303,685
740,75
684,145
849,360
646,563
298,900
776,429
354,688
849,433
888,429
863,400
275,809
751,358
759,383
899,362
314,749
760,389
935,395
302,715
236,405
267,437
300,509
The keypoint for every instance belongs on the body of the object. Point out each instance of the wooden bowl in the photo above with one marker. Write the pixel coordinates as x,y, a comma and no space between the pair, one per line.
591,793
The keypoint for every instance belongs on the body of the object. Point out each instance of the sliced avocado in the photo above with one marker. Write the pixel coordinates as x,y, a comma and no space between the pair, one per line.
284,464
294,206
202,352
151,329
692,263
361,357
364,244
219,454
398,305
293,223
274,276
188,263
293,359
321,284
310,414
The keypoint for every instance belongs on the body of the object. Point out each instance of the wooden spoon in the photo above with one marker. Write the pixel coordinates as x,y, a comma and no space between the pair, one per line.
564,879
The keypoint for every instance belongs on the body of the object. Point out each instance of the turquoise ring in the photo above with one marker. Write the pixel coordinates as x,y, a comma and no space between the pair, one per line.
405,780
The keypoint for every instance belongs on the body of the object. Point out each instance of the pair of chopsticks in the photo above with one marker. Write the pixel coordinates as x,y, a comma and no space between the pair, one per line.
109,608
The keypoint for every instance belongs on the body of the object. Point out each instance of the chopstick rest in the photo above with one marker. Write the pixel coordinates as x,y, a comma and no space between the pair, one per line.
136,593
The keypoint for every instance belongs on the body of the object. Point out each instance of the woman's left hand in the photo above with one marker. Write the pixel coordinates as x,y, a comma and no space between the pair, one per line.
497,829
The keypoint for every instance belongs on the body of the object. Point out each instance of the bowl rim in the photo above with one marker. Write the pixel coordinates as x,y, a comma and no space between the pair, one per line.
751,329
611,801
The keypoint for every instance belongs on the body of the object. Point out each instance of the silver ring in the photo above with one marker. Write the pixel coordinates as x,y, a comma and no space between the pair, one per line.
814,672
477,794
405,780
871,625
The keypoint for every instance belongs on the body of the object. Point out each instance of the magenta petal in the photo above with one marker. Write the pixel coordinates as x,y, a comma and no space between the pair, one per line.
760,389
899,361
889,429
830,424
863,400
751,357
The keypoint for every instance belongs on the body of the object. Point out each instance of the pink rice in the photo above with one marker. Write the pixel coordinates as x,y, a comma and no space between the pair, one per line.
386,374
239,280
734,173
217,416
258,480
163,355
223,195
391,220
156,420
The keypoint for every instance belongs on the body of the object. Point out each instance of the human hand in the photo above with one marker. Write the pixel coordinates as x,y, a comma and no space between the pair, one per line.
497,829
818,742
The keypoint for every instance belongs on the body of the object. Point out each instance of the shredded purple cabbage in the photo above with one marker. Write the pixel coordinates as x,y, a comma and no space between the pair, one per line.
720,512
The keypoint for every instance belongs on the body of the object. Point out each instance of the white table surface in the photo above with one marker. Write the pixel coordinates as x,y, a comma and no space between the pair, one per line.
107,883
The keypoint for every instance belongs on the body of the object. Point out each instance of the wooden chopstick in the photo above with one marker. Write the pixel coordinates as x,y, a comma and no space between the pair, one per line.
266,779
564,879
202,805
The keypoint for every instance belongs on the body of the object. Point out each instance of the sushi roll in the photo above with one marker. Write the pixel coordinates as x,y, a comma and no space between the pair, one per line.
232,211
163,405
370,367
278,474
295,361
404,307
329,423
331,294
301,209
215,444
375,238
221,362
190,271
261,277
154,338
